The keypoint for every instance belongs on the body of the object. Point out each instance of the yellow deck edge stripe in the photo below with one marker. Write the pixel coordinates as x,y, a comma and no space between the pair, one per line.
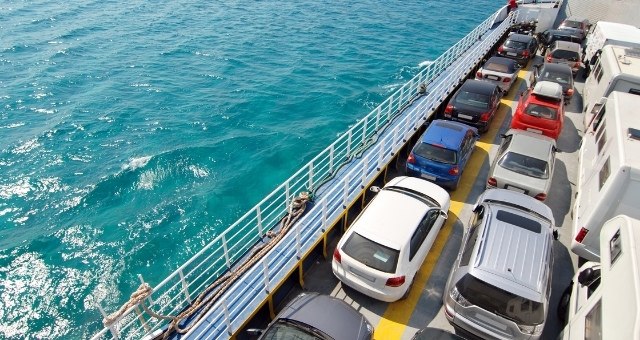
393,323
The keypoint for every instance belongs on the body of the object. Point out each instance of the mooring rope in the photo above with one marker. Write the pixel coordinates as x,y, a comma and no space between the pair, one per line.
205,300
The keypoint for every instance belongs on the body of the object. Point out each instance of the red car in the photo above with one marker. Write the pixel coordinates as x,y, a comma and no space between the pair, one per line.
541,110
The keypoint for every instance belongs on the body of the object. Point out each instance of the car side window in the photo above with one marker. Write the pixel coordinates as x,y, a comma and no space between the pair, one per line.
505,144
422,231
476,221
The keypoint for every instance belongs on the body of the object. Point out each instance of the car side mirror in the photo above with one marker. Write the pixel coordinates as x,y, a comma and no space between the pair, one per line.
255,331
555,234
444,214
502,135
588,276
374,188
555,149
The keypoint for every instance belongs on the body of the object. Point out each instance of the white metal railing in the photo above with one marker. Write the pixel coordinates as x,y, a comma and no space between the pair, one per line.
175,293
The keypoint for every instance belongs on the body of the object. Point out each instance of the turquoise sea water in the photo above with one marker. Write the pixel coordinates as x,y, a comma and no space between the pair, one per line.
132,132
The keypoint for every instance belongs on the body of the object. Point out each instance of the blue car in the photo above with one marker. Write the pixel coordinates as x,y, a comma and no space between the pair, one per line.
442,152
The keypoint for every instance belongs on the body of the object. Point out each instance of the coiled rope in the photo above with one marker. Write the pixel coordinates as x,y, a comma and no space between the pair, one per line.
208,296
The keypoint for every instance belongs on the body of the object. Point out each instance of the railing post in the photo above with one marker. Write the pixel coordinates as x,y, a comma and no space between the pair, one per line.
378,118
331,151
287,194
259,217
185,286
389,108
226,251
380,153
227,317
395,138
364,129
114,330
265,272
310,175
345,192
349,133
365,169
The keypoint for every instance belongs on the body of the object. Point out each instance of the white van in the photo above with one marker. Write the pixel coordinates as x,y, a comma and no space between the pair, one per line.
618,69
605,297
609,172
610,33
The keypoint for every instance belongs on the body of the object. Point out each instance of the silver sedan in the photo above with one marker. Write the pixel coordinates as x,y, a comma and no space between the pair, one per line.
524,164
500,71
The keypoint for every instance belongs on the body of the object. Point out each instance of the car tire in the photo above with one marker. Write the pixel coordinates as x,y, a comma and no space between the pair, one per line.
563,305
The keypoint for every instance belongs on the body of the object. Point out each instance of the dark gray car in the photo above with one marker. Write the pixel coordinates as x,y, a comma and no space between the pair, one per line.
475,103
315,316
520,47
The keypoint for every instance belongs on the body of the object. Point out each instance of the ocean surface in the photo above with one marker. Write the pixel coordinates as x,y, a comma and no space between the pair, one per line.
133,132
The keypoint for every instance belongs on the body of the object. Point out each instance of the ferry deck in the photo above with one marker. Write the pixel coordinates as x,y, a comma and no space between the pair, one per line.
422,309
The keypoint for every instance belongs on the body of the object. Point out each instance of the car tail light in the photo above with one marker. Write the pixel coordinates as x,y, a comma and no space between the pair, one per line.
395,281
492,182
541,196
411,159
448,109
500,49
581,234
485,116
454,170
570,92
337,256
506,79
479,74
548,58
457,297
525,54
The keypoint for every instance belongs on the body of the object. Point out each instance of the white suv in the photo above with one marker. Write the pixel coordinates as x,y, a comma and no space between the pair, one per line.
385,246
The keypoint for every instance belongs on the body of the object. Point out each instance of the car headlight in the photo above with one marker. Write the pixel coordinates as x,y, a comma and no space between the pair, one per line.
457,297
532,330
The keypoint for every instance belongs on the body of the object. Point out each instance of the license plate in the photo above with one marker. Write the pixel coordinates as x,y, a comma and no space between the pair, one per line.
425,176
464,116
516,189
534,130
493,77
362,275
513,54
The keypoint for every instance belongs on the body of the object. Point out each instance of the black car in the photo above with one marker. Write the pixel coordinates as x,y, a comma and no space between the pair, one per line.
548,37
315,316
557,73
475,103
520,47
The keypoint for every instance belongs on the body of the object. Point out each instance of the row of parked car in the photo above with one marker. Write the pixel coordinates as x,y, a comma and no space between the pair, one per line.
499,285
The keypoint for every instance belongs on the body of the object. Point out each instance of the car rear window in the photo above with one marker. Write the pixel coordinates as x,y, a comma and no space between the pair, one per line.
515,44
371,254
541,111
565,55
473,99
525,165
496,67
572,24
436,153
495,300
556,77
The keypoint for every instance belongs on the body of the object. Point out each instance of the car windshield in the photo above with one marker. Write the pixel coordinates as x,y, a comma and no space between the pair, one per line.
498,301
436,153
473,99
518,45
540,111
496,67
572,24
525,165
371,254
556,77
565,55
290,329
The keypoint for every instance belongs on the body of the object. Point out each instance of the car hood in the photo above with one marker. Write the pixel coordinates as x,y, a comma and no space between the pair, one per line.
330,315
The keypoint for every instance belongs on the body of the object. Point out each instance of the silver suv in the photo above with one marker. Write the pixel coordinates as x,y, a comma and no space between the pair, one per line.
564,52
500,284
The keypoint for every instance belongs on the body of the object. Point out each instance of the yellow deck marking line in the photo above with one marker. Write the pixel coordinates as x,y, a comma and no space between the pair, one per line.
396,317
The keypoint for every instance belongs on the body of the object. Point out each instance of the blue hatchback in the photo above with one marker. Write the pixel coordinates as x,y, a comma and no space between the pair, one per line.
442,152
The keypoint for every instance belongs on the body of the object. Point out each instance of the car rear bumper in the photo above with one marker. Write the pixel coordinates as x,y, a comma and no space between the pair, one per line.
415,171
390,294
552,133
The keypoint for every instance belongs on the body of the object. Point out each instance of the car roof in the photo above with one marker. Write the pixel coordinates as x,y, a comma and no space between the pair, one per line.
547,90
392,216
501,60
478,86
446,133
530,144
557,68
566,45
520,37
514,253
575,19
